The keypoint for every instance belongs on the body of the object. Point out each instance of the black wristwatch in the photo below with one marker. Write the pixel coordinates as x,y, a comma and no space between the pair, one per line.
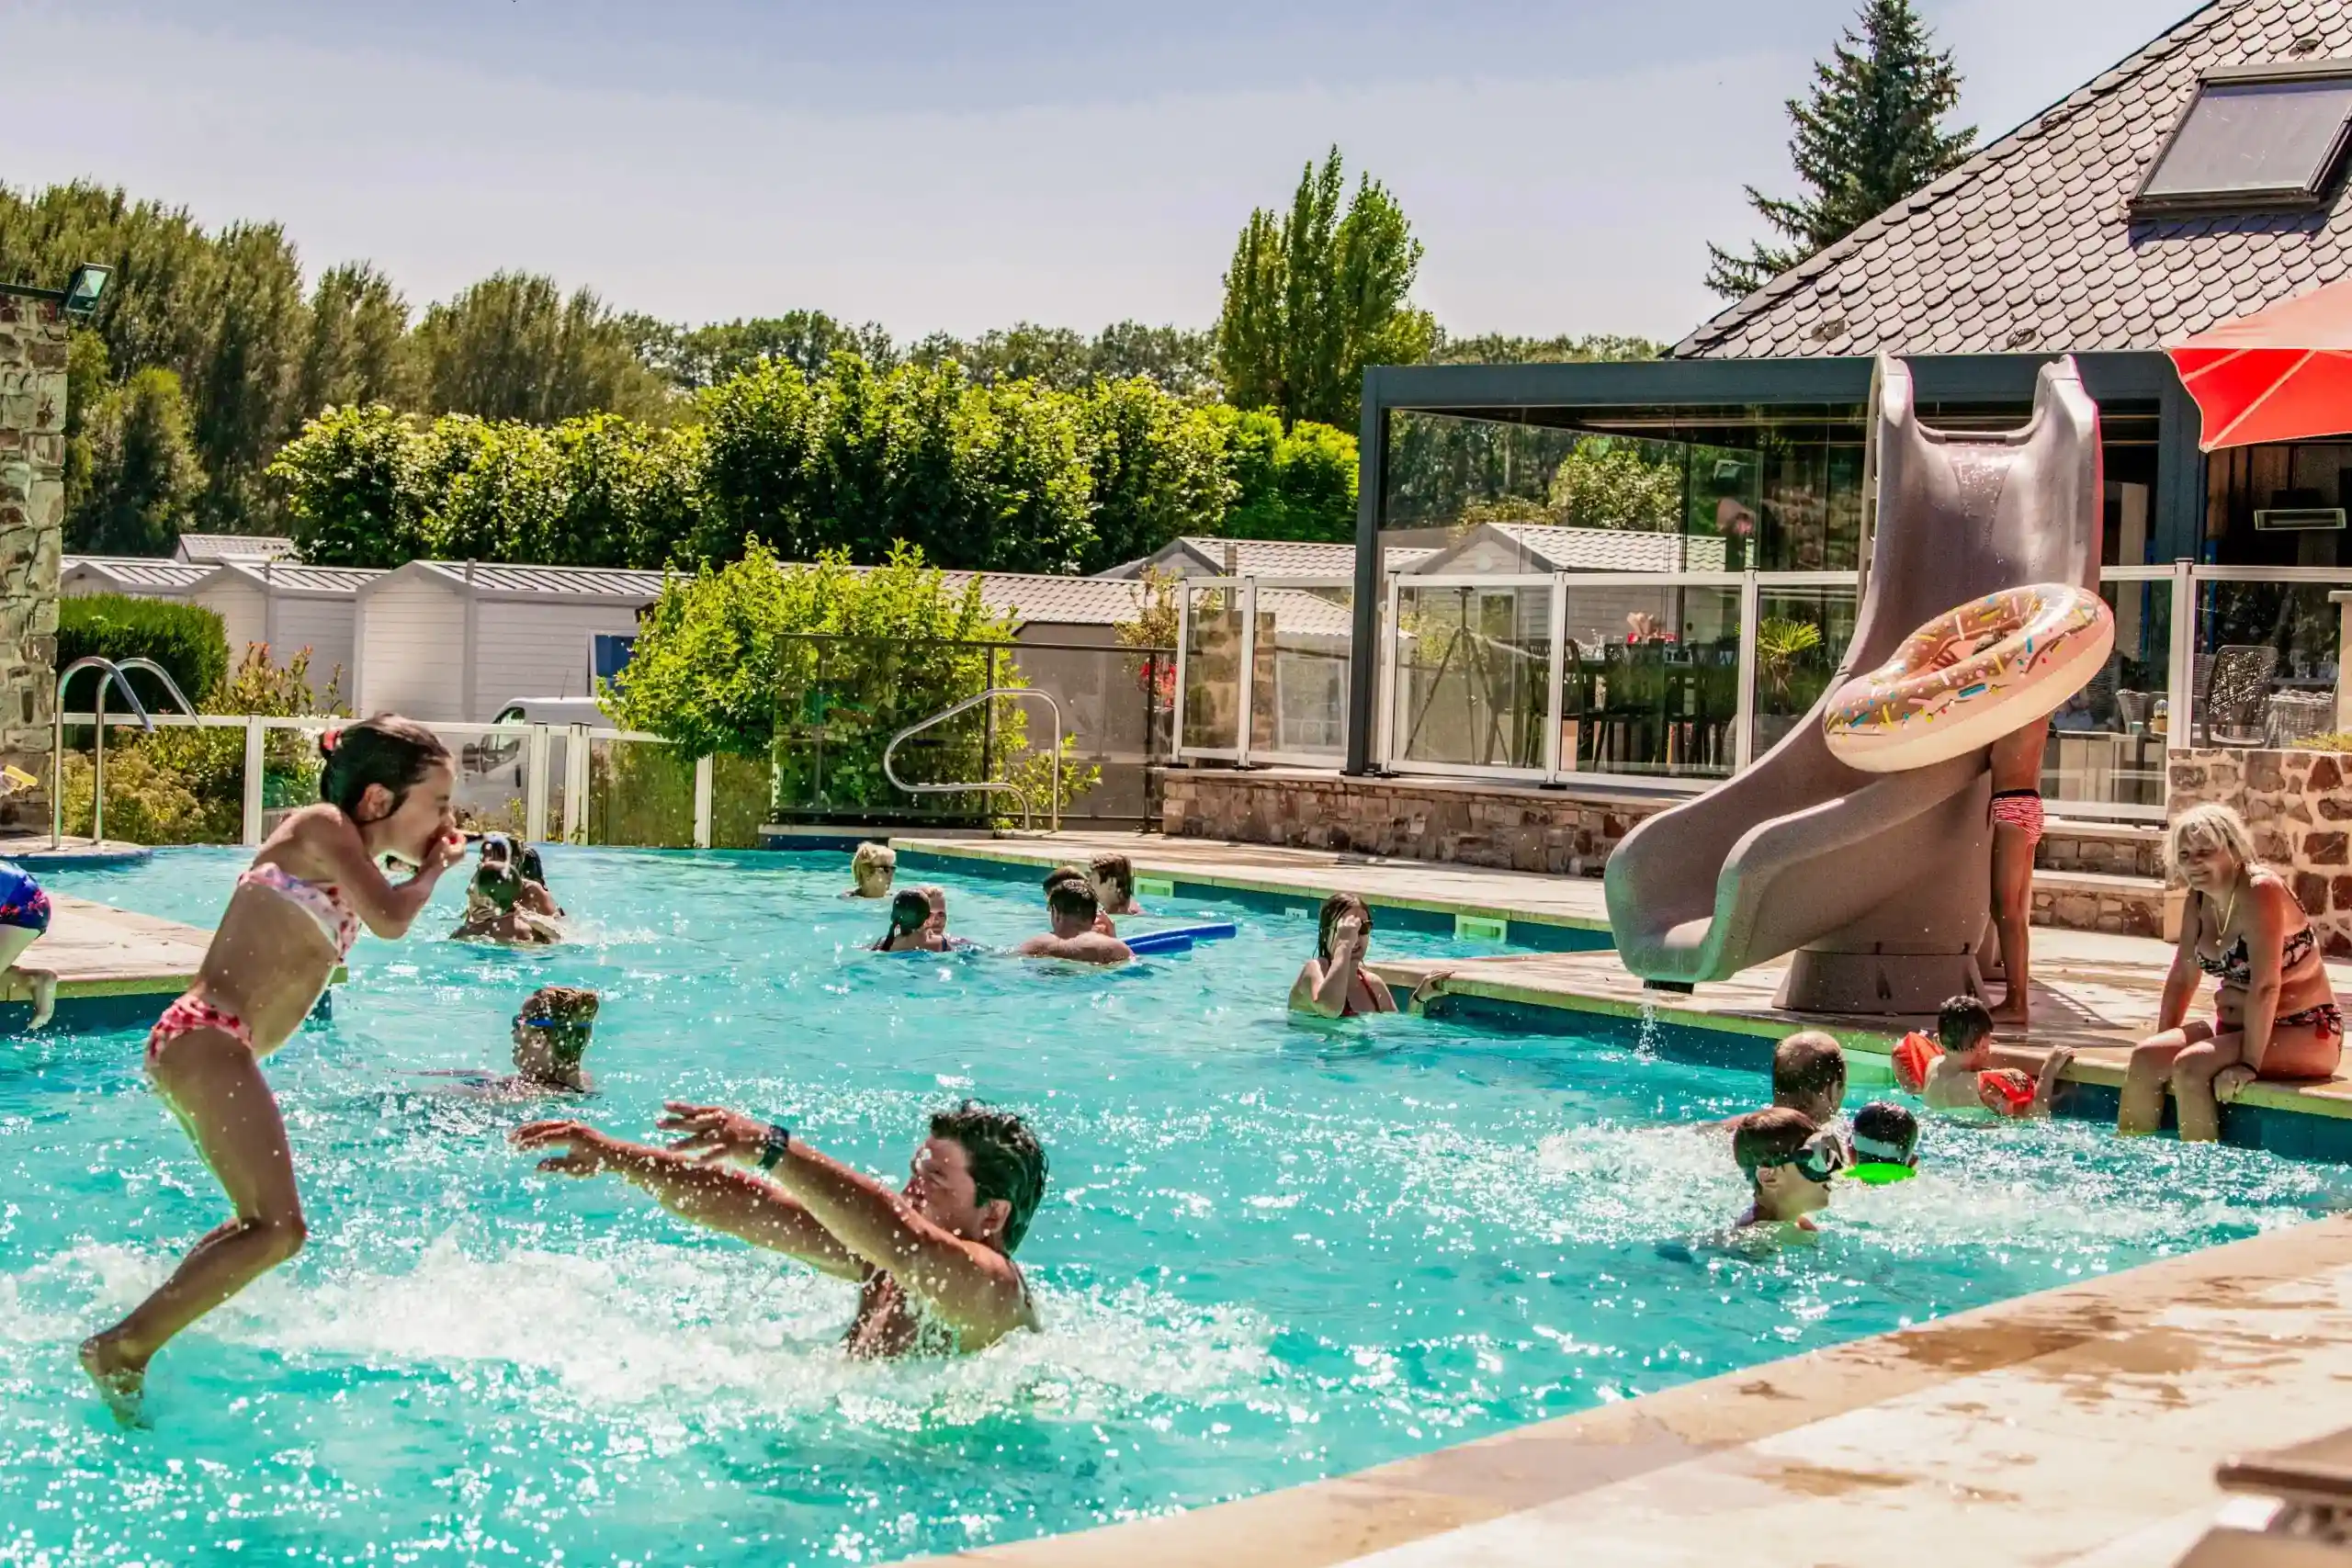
772,1146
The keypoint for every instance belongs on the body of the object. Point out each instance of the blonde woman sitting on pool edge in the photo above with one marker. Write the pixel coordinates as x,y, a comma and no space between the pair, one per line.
2275,1014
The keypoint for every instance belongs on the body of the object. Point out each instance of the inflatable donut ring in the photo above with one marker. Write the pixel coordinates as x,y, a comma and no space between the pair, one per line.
1971,676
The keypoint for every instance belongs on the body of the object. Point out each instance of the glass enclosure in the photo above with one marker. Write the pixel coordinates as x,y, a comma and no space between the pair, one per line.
1650,678
1473,675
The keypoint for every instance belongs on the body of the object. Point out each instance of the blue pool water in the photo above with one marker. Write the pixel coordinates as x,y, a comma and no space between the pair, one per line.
1272,1251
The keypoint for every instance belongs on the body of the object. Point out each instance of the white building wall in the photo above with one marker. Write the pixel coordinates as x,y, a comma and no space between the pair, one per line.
411,640
528,648
323,626
244,614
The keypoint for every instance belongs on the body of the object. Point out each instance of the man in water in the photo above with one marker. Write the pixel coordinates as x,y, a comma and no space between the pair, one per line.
932,1261
1069,905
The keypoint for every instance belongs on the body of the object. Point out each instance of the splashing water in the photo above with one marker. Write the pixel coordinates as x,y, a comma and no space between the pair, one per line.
1272,1251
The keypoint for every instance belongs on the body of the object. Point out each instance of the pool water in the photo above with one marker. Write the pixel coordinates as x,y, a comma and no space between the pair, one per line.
1272,1251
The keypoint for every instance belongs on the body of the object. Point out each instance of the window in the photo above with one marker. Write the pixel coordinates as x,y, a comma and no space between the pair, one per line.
608,657
2255,137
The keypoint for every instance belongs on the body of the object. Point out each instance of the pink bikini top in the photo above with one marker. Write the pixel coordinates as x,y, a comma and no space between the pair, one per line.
323,901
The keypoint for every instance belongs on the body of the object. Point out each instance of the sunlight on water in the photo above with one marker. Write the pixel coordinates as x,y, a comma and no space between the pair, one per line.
1272,1251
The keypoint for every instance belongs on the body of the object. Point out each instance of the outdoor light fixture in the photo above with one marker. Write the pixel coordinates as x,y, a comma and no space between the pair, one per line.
78,299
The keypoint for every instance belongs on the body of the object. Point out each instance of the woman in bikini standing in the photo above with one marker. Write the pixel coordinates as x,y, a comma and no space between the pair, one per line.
2274,1012
295,913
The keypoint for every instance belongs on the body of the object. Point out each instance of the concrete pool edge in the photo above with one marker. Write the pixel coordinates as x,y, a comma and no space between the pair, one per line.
2101,1341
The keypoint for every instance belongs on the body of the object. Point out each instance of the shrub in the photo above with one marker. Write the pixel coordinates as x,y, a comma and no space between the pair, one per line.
187,641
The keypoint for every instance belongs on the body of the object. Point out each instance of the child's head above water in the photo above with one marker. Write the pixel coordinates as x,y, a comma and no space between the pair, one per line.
909,912
391,776
1787,1159
1336,908
1071,904
1886,1142
871,866
1962,1024
1113,877
551,1034
1809,1074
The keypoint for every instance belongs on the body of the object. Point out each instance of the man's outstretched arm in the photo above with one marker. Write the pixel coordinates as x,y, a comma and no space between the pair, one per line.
973,1288
731,1202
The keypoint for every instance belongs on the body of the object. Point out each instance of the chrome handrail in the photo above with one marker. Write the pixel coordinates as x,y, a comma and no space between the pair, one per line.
990,787
110,674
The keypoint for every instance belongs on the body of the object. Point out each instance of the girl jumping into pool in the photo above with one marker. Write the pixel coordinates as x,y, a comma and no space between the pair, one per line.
1333,982
2274,1015
295,913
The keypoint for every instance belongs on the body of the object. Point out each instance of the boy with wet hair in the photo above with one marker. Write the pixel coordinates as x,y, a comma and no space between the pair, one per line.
1809,1074
1966,1068
1886,1144
1077,935
1787,1159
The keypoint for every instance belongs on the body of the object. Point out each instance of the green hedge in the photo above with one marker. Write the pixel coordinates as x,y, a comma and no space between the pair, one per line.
185,639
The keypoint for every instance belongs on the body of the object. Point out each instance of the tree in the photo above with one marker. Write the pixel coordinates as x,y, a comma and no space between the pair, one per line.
698,357
1866,138
1155,469
1295,484
1313,296
137,474
350,483
1610,482
511,346
357,349
1501,348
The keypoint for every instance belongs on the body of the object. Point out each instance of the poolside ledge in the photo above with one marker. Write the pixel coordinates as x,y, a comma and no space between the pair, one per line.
2078,1426
115,969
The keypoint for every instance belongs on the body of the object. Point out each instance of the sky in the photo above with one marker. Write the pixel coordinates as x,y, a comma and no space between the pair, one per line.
954,165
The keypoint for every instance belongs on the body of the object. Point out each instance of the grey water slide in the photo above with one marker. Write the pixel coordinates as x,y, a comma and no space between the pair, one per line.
1879,883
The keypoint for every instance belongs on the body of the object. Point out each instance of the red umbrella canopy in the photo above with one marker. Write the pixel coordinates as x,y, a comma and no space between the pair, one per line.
2283,373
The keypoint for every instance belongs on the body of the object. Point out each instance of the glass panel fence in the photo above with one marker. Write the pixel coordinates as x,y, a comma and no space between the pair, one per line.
739,801
640,792
1802,633
1298,697
1650,679
1473,675
1212,710
2266,662
2107,743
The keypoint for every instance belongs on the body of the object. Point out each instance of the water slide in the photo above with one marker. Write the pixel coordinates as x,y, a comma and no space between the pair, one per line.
1878,885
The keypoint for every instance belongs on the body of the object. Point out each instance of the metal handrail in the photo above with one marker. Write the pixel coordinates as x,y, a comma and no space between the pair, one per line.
988,786
110,674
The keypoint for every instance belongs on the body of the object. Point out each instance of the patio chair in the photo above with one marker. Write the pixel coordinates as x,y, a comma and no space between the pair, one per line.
2235,707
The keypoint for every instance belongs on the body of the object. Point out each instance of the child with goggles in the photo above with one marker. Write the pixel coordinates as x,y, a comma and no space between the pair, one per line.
1787,1159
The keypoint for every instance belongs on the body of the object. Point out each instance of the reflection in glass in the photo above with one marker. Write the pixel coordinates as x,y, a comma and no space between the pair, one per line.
1213,671
2266,662
1650,677
2107,744
1473,668
1800,637
1298,697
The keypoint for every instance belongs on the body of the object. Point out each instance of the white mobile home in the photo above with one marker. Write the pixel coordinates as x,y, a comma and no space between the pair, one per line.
456,640
142,577
288,607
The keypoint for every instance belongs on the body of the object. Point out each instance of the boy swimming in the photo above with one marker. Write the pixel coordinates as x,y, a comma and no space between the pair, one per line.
1885,1144
1966,1069
1787,1159
551,1034
1076,935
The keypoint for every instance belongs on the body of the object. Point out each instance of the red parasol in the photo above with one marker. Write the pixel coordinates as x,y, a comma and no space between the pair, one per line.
2283,373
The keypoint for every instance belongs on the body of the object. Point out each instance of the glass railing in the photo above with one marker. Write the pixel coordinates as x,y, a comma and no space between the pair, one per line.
1677,680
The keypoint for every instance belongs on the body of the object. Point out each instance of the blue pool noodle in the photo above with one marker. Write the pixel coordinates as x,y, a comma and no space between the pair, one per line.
1178,939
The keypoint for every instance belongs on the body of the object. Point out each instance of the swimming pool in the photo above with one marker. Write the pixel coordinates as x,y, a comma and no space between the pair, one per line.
1272,1251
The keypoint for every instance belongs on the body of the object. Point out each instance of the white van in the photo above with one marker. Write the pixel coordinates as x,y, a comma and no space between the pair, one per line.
491,769
554,710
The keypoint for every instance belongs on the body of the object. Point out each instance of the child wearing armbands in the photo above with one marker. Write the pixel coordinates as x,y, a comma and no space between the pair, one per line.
1961,1068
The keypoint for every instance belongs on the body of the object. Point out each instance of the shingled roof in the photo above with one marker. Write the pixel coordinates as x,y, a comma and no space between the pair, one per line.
2030,247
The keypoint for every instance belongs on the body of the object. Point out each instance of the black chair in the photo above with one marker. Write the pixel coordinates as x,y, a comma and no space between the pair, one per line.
2233,709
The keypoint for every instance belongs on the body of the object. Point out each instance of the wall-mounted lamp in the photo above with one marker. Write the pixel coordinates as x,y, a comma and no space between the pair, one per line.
79,298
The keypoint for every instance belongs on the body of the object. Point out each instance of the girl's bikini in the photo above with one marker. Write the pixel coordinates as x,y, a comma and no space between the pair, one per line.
323,901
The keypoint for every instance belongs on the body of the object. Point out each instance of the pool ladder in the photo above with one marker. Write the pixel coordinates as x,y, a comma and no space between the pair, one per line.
110,674
990,787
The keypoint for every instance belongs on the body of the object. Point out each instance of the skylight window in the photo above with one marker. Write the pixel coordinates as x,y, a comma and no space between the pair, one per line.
2257,137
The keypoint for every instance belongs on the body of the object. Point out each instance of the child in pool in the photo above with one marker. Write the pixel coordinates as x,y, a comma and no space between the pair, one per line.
1333,983
1787,1159
1113,877
495,910
1885,1144
871,867
551,1035
385,793
911,920
537,897
24,916
1969,1070
1079,876
1077,935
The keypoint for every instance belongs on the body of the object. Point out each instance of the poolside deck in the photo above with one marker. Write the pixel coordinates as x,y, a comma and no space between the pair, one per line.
2094,993
111,964
2076,1428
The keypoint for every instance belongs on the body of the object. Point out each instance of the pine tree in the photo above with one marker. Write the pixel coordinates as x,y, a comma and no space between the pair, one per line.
1867,138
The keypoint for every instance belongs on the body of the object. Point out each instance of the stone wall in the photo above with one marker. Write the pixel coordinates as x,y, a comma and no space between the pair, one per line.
2101,849
32,513
1470,824
2300,812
